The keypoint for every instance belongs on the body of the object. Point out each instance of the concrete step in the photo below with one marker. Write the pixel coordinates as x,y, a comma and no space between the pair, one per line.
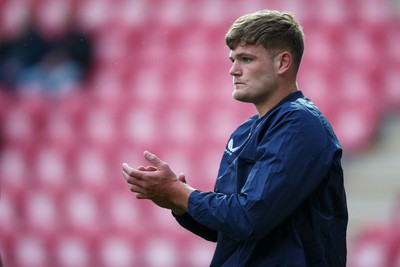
373,179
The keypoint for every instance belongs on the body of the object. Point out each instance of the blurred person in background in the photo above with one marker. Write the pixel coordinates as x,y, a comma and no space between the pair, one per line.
279,198
53,62
19,52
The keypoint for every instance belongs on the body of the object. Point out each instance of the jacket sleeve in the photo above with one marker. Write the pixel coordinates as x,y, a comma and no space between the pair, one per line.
292,159
193,226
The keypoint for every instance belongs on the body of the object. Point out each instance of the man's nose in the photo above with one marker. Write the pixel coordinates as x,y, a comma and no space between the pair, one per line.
234,70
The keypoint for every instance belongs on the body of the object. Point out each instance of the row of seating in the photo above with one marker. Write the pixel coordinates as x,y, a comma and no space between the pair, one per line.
160,82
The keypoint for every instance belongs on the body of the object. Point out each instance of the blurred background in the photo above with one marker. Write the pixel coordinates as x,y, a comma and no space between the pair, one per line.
86,85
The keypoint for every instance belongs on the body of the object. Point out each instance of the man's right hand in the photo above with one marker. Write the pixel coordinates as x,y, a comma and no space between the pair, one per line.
159,202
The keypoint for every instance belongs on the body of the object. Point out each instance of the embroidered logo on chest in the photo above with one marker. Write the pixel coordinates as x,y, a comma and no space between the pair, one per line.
230,148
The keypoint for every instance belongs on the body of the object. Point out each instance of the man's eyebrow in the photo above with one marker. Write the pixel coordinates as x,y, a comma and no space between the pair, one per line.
241,55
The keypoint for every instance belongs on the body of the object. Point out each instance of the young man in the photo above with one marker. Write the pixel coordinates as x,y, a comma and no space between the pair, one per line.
279,198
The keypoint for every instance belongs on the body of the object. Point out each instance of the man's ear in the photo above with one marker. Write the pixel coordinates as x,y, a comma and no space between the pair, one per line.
284,62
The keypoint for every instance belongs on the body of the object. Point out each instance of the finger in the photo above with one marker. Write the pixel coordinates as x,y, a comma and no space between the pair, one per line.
138,174
132,180
182,178
158,163
139,192
129,178
125,175
141,168
148,168
151,168
142,196
126,168
136,189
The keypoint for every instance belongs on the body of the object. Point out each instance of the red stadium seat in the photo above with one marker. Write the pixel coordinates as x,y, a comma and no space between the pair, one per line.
30,249
50,170
81,214
73,250
117,250
160,82
14,166
41,212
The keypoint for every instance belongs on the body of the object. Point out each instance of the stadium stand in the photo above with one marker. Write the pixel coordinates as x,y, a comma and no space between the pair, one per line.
159,81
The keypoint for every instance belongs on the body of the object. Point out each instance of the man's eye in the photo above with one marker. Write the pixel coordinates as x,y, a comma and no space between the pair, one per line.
247,60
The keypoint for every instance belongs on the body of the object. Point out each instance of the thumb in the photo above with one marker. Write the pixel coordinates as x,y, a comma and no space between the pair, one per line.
154,160
148,168
182,178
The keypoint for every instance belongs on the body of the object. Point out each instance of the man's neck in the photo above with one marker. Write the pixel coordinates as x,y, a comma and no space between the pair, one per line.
275,98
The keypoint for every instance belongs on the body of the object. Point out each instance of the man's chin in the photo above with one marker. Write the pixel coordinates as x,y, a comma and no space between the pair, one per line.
240,97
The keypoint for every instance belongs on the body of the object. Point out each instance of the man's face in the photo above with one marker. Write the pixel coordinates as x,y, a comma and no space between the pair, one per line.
254,74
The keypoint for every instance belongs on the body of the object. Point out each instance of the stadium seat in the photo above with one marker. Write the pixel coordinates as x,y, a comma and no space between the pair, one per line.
73,250
30,249
160,82
117,250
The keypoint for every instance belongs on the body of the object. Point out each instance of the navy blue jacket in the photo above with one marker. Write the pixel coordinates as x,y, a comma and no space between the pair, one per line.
279,198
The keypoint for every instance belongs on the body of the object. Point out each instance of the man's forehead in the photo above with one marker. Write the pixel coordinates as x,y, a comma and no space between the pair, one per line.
247,49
